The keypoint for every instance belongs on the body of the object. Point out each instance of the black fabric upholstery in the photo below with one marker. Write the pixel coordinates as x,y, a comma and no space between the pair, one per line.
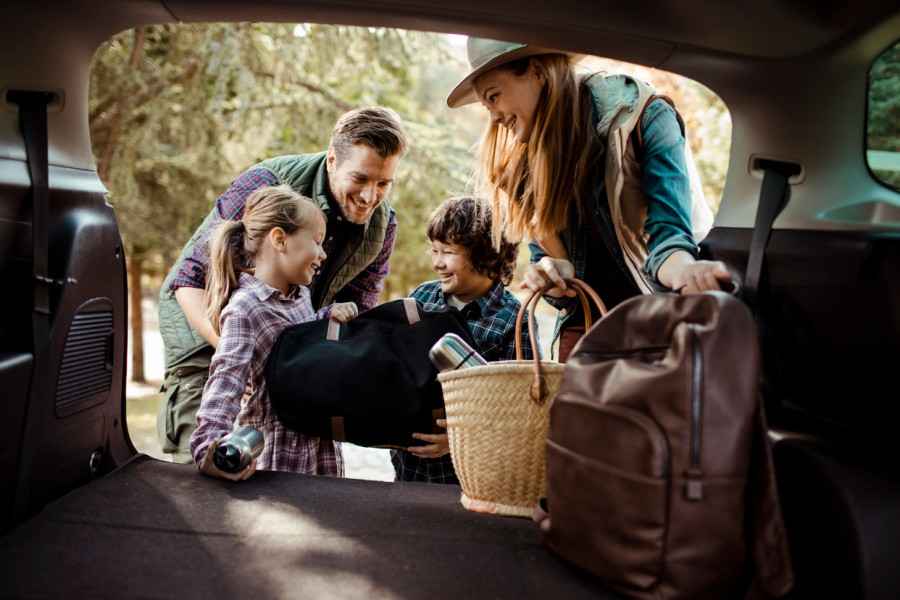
154,529
842,510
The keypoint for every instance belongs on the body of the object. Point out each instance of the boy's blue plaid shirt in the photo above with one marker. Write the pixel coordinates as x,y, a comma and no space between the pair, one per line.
491,320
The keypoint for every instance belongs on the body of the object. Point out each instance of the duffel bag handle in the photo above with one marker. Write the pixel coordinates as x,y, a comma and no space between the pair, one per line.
584,292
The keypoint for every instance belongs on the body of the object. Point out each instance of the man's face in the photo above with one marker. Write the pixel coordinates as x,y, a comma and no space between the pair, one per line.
360,180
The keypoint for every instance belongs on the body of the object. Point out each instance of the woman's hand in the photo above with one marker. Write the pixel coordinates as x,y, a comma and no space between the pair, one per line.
208,467
547,270
440,443
684,274
343,312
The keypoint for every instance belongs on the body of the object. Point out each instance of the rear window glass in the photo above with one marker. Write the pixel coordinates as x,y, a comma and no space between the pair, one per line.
883,144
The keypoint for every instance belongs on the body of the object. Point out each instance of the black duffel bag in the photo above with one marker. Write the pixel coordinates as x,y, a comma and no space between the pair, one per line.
369,381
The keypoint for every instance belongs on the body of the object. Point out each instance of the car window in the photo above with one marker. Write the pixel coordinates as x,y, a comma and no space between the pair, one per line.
883,132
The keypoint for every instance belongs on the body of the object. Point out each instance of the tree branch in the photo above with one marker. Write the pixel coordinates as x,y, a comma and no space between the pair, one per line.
312,87
344,106
120,108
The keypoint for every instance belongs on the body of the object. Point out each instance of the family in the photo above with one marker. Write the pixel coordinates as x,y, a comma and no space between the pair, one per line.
591,170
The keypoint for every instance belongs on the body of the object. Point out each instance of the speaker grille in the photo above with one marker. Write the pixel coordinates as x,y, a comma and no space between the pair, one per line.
85,373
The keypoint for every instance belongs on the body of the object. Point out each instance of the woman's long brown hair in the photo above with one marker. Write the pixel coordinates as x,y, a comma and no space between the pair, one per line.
534,185
234,244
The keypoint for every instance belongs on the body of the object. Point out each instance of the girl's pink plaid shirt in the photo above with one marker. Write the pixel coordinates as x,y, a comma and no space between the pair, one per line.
236,390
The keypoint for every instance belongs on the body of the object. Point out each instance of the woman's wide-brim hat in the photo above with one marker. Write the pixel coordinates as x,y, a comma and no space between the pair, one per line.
485,55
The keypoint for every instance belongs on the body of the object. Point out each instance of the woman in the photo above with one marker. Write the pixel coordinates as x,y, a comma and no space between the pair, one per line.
594,170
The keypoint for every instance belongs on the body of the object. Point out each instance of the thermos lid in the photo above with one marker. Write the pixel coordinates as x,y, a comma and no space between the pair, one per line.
452,352
227,458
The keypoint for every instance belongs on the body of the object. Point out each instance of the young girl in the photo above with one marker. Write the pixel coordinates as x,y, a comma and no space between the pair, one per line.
259,267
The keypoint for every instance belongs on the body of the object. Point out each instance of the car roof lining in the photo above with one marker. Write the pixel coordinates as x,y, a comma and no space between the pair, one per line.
769,29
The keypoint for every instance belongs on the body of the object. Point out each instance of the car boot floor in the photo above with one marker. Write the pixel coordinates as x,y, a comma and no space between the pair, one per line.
155,529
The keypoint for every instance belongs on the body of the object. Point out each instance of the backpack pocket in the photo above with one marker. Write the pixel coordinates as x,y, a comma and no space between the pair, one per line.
609,502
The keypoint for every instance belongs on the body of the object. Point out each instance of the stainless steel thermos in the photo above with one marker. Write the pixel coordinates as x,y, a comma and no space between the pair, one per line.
451,352
237,449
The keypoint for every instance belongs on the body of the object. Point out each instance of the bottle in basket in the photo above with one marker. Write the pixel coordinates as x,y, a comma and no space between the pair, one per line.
451,352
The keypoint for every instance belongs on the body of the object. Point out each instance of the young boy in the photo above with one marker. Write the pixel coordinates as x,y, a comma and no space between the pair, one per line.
472,276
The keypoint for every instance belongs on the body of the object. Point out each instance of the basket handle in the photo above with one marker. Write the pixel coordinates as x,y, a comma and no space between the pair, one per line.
584,292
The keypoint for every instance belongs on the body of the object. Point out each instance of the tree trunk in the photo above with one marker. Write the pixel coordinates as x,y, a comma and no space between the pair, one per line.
135,270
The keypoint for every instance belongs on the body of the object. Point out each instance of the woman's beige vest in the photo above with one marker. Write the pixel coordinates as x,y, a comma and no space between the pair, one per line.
627,201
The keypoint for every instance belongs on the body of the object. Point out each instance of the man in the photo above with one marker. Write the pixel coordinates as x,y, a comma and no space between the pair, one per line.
349,182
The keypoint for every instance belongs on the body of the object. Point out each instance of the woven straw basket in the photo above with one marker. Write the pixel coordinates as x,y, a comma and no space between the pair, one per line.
497,419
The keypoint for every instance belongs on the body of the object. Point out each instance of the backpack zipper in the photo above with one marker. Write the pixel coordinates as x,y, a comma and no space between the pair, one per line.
693,487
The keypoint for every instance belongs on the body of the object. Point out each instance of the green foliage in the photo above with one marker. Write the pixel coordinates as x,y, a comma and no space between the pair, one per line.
177,111
892,178
884,109
884,101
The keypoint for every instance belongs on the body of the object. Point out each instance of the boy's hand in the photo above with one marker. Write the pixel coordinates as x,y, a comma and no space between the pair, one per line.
344,311
208,467
440,443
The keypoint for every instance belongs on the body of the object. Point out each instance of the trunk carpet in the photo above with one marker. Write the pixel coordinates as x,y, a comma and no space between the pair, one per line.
158,530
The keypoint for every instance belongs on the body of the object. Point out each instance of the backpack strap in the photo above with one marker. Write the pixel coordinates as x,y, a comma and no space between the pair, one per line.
639,137
333,333
411,307
338,429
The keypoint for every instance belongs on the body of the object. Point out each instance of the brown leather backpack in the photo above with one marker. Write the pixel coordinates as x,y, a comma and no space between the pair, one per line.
659,473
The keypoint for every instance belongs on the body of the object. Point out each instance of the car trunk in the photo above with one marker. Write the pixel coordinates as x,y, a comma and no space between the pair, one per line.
147,528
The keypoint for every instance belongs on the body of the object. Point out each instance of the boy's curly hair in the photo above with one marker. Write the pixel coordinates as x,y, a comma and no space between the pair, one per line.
466,222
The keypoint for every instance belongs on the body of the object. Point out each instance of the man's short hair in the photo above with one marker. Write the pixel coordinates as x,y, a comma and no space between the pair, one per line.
466,222
379,128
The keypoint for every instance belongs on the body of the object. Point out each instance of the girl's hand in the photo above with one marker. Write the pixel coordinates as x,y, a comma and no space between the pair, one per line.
440,443
208,467
547,270
344,311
